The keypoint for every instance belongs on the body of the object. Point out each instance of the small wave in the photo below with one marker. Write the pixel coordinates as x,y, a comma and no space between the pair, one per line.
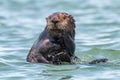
12,49
97,53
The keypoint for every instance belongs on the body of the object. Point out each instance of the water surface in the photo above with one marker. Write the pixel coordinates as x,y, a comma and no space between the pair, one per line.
97,36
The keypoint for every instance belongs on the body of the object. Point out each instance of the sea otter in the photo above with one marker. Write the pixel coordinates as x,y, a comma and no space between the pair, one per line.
56,43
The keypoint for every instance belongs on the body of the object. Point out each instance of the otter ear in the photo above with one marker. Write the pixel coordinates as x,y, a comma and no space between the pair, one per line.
71,18
74,20
46,18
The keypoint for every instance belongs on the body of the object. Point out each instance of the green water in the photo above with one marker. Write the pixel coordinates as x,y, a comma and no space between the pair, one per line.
97,36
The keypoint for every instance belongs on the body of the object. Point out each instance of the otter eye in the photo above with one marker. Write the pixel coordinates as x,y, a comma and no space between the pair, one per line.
64,17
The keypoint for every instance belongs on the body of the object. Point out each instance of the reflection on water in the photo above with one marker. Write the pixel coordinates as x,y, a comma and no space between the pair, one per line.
97,36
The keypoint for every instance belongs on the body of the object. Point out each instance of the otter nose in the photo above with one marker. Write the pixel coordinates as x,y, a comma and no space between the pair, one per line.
55,21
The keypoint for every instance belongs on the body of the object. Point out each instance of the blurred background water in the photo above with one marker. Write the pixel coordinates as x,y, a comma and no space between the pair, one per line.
97,36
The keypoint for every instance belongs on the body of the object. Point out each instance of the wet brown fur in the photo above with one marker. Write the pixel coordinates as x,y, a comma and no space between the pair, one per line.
56,43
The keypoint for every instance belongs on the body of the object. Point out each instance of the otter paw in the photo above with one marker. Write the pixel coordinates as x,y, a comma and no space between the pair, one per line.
98,61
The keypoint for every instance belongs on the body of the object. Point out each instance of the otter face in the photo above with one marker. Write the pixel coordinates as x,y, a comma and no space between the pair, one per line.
60,21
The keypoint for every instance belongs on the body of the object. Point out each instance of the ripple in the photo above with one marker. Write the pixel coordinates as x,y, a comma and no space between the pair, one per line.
58,70
100,53
11,49
105,75
97,36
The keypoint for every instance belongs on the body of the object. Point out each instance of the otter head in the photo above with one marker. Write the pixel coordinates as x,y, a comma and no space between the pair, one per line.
61,22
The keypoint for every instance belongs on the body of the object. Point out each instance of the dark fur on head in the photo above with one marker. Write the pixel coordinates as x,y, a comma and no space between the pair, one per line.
61,23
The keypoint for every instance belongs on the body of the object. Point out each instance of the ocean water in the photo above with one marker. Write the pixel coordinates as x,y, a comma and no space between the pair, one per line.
97,36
